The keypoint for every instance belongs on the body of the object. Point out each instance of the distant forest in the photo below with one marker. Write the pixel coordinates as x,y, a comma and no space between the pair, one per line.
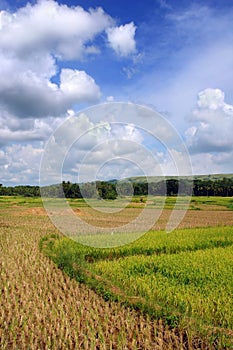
111,189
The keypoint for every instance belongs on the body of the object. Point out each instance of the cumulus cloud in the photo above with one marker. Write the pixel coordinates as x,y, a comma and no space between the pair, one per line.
121,39
110,98
213,120
192,54
66,32
78,86
38,87
30,47
29,95
212,163
88,145
213,99
34,40
14,129
19,164
89,149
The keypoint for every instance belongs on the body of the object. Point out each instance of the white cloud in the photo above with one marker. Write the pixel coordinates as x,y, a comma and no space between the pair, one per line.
3,159
28,58
110,98
208,66
78,86
209,163
65,31
81,142
129,71
14,129
33,41
192,50
28,95
211,98
101,150
121,39
118,159
19,164
96,148
37,93
213,127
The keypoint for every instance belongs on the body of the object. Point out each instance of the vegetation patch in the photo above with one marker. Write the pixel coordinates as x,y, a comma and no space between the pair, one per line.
184,278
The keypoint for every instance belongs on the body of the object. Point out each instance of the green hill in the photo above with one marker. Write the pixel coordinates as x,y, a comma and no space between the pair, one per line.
144,179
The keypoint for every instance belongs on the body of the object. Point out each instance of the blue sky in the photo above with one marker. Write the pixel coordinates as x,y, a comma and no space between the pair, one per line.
58,57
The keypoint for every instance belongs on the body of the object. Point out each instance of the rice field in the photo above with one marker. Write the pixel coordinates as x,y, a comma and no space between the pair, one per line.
44,307
183,278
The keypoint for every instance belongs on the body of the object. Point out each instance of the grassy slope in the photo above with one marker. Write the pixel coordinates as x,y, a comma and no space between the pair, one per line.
213,177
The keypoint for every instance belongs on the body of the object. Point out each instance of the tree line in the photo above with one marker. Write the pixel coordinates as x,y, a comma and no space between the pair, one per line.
113,189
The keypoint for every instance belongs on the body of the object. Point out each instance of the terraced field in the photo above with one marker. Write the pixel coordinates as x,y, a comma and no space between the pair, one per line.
183,278
147,295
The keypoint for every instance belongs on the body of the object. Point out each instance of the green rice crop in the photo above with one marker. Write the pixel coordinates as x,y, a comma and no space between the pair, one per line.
184,277
193,286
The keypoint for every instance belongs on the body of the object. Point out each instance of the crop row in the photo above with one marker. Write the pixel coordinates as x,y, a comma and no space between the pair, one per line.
152,243
196,284
184,278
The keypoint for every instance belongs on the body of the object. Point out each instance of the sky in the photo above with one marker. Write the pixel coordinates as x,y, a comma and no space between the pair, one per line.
58,58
